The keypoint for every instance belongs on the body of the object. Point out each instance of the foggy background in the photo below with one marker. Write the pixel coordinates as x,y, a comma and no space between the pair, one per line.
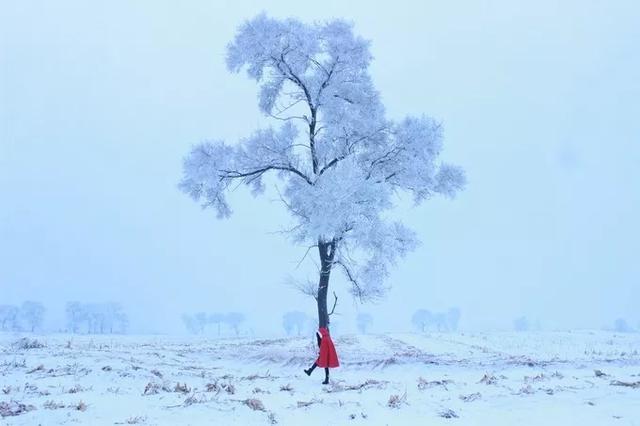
100,101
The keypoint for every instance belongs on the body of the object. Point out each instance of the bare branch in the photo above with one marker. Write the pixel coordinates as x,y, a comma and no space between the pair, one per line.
292,117
280,111
335,302
290,208
351,278
305,255
307,288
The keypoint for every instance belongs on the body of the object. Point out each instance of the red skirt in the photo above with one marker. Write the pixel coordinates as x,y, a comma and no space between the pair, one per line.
328,357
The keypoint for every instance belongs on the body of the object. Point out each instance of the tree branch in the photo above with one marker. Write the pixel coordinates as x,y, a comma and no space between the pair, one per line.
235,174
331,164
291,209
307,288
351,278
385,158
335,302
351,145
291,76
305,255
291,117
344,99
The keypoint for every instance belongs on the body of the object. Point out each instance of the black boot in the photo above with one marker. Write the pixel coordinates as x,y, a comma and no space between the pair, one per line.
326,376
310,370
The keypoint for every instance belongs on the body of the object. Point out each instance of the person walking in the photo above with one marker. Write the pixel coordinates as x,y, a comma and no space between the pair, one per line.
328,358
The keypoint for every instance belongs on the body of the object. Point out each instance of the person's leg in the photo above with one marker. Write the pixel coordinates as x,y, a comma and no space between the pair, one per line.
310,370
326,376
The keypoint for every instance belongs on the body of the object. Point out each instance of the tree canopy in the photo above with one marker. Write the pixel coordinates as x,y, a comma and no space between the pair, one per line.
338,156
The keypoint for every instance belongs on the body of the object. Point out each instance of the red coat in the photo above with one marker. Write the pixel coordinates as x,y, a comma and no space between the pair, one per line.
328,356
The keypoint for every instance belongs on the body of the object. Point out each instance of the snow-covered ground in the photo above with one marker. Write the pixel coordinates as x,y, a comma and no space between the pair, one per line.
559,378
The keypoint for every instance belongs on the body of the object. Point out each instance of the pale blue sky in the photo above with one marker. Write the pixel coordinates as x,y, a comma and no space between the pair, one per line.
99,102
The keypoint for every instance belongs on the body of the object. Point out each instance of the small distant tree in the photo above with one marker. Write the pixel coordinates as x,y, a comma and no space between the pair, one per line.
294,320
340,159
620,325
217,319
32,314
75,314
93,317
421,319
453,318
521,324
9,317
99,317
190,323
202,319
233,320
364,321
440,321
116,319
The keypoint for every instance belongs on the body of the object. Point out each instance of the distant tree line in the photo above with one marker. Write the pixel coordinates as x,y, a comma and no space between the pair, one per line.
620,325
425,320
199,322
96,318
27,317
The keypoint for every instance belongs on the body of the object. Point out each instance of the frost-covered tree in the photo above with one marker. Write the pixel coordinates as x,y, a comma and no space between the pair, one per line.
32,314
116,320
233,320
94,317
9,317
201,319
190,324
421,319
97,317
76,315
453,318
621,326
217,319
364,321
196,323
440,321
340,160
294,320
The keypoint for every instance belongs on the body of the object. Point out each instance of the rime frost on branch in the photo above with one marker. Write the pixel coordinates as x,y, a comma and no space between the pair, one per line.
339,158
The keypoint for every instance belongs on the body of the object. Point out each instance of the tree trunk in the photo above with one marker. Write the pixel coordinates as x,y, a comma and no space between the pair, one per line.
327,251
